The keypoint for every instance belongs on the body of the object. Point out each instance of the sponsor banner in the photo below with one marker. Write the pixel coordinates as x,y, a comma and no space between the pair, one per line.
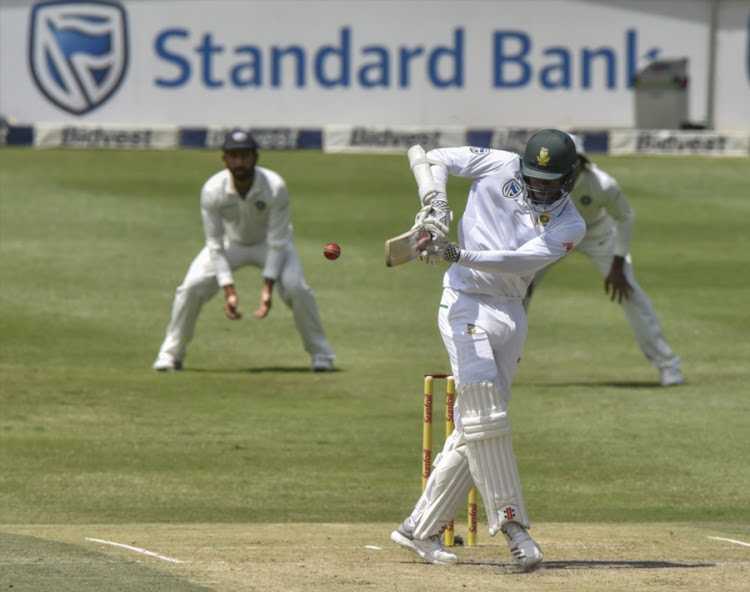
732,74
514,139
53,135
594,140
308,64
276,138
397,139
510,139
15,135
679,142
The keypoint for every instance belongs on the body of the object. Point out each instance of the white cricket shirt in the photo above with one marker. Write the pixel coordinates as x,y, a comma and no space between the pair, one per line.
261,216
604,208
503,242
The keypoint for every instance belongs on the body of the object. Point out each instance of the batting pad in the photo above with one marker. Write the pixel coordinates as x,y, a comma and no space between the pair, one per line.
489,450
447,488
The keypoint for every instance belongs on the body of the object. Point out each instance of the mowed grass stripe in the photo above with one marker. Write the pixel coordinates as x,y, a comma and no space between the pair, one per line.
93,244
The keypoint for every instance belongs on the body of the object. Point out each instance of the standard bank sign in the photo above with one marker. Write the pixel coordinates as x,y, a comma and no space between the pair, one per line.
78,52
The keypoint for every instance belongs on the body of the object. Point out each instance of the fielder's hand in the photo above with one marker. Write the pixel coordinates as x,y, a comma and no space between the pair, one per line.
231,303
263,308
265,299
617,281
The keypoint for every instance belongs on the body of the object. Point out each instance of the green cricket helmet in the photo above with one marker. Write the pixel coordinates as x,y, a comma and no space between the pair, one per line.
550,155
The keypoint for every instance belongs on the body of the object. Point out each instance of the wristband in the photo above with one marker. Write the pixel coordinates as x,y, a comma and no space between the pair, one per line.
452,253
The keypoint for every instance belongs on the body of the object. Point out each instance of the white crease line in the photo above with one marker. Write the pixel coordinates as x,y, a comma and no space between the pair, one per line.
137,550
315,547
731,541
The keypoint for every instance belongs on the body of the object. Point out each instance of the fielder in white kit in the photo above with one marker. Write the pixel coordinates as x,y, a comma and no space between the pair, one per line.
609,230
518,219
245,211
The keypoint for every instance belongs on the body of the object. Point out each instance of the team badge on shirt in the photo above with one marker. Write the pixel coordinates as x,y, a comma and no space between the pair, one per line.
512,189
471,329
544,219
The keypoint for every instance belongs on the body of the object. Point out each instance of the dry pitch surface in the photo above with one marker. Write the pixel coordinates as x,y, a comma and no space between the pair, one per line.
346,557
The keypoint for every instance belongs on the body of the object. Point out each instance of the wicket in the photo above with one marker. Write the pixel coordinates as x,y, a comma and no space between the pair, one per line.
450,398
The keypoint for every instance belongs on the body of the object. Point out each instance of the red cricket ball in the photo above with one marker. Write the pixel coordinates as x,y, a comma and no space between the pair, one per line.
332,251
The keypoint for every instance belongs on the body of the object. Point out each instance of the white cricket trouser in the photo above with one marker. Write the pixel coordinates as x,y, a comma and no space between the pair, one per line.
200,285
637,307
484,339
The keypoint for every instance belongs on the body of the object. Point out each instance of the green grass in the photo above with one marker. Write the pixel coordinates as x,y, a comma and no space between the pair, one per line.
93,243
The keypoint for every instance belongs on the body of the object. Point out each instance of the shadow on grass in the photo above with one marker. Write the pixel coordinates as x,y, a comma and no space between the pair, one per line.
619,565
611,384
511,568
259,370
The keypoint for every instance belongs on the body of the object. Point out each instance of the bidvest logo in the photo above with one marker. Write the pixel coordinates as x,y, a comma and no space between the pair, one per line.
78,52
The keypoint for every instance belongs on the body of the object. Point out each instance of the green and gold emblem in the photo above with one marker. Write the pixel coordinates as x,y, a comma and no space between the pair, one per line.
543,158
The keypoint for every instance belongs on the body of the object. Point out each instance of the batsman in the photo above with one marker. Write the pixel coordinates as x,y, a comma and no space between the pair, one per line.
518,219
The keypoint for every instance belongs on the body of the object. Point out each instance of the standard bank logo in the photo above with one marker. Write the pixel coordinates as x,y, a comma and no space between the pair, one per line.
512,189
78,52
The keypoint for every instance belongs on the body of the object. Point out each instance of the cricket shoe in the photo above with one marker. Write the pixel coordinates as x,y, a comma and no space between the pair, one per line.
525,551
431,549
321,363
166,363
671,377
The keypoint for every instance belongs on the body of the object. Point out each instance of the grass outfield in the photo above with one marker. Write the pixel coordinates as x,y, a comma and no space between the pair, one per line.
246,452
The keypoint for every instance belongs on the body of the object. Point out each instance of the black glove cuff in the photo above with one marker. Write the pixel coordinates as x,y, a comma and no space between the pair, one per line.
452,253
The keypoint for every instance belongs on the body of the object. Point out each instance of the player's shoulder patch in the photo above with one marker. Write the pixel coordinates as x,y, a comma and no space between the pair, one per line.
512,188
478,150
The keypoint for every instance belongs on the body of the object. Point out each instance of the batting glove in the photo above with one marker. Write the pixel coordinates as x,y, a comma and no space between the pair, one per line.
438,248
437,213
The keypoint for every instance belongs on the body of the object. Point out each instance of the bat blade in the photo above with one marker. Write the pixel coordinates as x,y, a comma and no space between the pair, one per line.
405,247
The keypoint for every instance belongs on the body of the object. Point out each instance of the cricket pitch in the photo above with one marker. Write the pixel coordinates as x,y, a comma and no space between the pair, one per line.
348,557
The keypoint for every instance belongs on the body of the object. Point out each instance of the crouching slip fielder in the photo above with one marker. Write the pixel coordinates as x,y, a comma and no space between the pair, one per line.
245,211
518,219
609,230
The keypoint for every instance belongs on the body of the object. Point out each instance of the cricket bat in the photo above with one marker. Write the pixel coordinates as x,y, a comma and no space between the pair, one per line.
405,247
